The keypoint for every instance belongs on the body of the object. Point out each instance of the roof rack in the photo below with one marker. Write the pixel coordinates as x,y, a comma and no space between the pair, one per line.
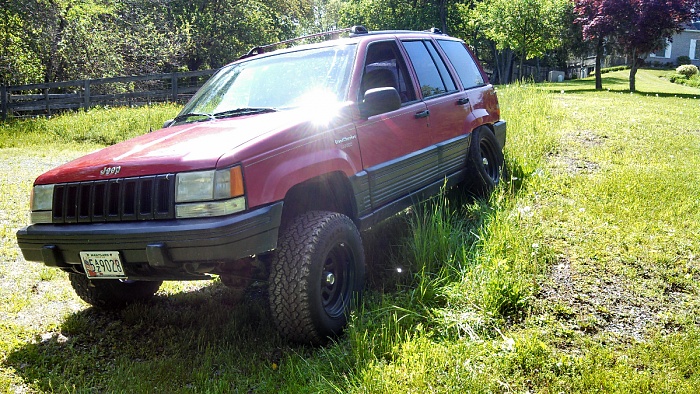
354,31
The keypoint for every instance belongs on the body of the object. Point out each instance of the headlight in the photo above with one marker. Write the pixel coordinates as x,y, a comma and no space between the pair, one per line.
209,193
194,186
41,203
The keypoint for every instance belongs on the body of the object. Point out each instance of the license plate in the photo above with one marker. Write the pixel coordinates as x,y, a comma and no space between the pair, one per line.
102,265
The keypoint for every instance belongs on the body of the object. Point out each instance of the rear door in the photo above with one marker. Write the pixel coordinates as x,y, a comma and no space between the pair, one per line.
393,144
447,104
471,78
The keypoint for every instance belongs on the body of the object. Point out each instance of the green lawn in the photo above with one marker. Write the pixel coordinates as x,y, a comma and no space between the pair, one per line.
579,275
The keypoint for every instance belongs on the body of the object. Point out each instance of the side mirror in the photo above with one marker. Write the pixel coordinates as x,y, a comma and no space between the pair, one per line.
168,123
380,100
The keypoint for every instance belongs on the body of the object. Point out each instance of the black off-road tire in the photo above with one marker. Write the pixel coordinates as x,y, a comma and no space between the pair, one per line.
317,275
112,293
485,163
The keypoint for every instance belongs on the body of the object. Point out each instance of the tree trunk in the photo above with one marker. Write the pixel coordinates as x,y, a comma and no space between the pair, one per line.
520,67
598,63
503,64
443,16
633,71
498,77
508,65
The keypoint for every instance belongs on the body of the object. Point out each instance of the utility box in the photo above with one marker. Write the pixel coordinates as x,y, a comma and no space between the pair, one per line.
556,76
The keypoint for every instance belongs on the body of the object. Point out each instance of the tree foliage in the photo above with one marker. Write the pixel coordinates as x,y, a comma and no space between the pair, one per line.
530,28
399,14
54,40
64,36
18,63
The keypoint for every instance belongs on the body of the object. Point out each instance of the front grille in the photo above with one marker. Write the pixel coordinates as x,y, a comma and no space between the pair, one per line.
113,200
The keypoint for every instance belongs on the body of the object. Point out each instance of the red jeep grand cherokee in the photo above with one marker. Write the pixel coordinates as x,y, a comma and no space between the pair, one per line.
269,173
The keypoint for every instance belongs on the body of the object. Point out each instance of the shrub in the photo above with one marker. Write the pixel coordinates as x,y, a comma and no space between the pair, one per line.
687,69
677,78
611,69
681,60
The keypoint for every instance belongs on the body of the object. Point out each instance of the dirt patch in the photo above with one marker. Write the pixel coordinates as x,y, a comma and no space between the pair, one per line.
601,302
570,158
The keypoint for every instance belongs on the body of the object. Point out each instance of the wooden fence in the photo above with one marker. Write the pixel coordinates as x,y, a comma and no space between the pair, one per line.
48,98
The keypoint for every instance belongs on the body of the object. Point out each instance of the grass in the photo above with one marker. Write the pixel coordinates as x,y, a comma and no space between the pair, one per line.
580,274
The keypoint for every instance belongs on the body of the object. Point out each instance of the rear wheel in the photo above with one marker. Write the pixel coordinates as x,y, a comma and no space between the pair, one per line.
112,293
484,163
317,272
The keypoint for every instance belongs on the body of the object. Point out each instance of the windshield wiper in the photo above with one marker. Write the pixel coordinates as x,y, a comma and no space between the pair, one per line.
188,115
243,111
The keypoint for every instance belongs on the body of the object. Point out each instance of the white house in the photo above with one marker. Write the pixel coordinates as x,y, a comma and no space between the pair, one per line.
686,43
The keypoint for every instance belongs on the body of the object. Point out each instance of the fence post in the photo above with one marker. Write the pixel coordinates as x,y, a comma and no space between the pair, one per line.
3,101
86,91
46,97
173,83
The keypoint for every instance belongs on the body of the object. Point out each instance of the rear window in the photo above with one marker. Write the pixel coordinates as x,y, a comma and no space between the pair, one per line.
462,61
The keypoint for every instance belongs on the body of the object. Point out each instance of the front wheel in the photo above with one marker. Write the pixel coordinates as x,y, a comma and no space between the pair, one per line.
112,293
317,272
484,162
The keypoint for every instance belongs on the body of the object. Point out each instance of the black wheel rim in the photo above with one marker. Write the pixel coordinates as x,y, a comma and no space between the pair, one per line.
336,280
488,159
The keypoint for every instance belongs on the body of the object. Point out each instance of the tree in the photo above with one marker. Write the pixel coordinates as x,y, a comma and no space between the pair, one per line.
18,64
73,39
597,18
644,26
638,26
222,30
528,27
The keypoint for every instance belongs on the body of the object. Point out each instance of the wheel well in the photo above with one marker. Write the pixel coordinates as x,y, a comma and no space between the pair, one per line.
329,192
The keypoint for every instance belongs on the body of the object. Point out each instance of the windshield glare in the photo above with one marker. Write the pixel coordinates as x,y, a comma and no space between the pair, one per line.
287,80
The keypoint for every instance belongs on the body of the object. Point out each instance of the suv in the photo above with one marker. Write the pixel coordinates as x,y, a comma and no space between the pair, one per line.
270,172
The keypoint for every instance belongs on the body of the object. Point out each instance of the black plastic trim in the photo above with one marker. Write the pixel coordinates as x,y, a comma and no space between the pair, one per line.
396,178
499,130
408,200
159,244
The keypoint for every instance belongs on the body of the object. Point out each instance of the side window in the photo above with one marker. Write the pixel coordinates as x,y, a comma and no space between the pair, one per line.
384,67
432,73
463,62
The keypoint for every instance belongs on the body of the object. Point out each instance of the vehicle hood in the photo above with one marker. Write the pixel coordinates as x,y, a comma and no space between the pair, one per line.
192,146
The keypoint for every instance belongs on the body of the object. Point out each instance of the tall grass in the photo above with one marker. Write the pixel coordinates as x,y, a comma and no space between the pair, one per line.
472,264
101,126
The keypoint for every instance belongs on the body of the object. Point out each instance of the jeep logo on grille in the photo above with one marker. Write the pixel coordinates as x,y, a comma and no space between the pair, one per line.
110,170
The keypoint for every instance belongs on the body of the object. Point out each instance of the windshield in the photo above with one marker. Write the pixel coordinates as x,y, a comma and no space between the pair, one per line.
277,82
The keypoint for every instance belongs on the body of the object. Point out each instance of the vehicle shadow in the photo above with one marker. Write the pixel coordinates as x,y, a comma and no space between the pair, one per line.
172,341
99,350
194,340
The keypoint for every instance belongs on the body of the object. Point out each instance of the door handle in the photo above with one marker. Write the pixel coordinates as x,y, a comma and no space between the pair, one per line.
422,114
463,101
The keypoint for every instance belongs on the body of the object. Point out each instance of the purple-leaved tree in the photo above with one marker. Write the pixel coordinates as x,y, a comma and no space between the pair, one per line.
638,26
645,26
596,20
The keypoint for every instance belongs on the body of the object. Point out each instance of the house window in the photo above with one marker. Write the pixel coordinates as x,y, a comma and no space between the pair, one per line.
663,52
694,52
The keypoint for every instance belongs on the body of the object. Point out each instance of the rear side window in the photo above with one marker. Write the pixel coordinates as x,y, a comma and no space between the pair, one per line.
463,62
432,73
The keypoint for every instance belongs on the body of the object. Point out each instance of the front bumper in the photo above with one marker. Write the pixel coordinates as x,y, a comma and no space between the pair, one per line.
157,249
